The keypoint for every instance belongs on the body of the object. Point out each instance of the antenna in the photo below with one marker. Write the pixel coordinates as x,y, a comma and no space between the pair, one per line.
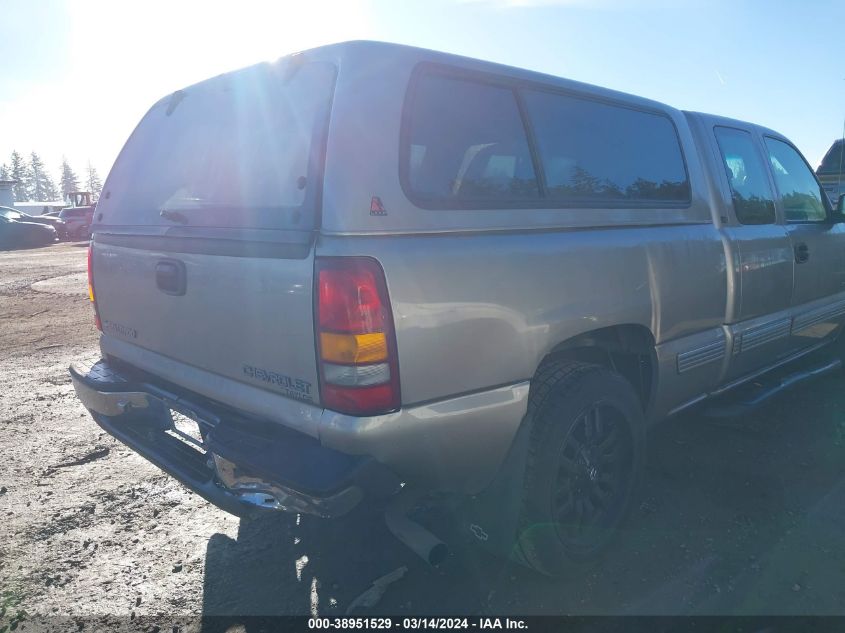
841,156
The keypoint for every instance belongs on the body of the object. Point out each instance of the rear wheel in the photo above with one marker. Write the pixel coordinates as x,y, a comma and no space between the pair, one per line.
586,455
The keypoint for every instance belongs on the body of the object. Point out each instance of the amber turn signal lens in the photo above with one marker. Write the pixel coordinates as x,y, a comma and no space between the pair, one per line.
353,348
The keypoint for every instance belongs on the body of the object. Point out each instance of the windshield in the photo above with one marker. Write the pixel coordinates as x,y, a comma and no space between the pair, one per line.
236,151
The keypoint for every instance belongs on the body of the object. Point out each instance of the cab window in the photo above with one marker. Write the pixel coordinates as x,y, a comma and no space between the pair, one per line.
803,198
597,153
746,173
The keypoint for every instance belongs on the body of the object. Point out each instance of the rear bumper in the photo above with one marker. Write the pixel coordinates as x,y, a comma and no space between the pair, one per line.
241,465
454,445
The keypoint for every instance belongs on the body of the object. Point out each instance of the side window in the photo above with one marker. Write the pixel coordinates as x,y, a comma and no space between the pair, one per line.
597,152
799,190
467,143
746,172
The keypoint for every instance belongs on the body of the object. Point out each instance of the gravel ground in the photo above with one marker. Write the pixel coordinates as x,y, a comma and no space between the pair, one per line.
744,518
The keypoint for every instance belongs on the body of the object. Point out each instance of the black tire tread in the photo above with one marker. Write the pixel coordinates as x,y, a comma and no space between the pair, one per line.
554,381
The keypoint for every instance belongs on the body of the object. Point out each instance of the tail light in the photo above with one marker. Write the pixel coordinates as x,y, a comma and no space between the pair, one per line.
91,286
356,342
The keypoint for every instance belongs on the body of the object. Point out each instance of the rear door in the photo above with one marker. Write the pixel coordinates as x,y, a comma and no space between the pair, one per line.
203,239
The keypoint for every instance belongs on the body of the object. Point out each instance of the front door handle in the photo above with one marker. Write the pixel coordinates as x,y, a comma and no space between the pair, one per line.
802,253
171,277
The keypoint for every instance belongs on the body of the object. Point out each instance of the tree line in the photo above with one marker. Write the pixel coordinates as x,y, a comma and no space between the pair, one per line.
34,183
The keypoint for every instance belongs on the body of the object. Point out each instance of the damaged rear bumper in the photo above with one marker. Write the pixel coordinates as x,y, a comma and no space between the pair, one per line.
241,464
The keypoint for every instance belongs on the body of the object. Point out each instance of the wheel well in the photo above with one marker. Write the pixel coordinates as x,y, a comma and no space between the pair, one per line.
626,349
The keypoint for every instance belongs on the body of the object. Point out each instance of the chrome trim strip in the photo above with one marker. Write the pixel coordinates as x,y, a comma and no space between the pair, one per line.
695,358
762,334
819,315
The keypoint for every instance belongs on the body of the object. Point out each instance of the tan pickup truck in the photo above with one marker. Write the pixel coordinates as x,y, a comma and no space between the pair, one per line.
368,264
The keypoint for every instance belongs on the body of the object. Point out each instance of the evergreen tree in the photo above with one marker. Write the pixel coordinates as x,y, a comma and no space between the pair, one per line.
40,186
68,181
4,172
51,190
92,180
18,171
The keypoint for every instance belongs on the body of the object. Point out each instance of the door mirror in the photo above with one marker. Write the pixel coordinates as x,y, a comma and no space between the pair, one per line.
838,215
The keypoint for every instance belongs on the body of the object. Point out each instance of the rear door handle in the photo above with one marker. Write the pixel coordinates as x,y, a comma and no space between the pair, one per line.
171,277
802,253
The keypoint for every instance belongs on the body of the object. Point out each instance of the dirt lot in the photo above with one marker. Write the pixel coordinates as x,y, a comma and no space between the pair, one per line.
741,520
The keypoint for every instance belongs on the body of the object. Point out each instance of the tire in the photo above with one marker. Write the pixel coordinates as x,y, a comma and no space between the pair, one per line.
586,453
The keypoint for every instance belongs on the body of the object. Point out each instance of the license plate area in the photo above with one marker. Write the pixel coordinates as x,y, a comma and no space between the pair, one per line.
189,424
186,430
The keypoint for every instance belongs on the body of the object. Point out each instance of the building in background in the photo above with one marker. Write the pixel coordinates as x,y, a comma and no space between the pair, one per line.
831,172
7,194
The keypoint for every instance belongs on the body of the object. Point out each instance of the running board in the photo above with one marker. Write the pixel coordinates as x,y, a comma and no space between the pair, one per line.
756,394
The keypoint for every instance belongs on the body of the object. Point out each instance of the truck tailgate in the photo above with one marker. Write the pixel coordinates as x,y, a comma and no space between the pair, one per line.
244,317
203,237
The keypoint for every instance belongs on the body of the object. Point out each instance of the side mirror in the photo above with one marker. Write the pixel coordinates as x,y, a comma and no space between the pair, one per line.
838,215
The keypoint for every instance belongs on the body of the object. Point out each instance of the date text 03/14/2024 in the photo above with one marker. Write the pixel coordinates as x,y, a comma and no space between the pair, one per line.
414,623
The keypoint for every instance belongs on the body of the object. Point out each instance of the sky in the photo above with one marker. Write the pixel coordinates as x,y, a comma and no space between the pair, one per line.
79,74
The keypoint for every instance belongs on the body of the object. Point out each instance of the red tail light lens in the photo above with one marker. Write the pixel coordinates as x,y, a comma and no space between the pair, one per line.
349,300
361,401
359,371
91,295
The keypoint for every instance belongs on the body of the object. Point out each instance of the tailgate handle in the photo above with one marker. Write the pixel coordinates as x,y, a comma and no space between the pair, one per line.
171,277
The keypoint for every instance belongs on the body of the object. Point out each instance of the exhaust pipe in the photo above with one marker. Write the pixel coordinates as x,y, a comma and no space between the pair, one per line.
422,542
